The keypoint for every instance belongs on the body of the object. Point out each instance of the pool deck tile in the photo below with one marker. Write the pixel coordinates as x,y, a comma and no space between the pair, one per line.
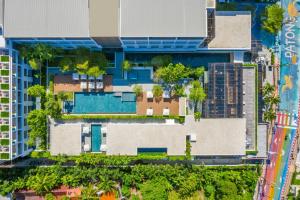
157,105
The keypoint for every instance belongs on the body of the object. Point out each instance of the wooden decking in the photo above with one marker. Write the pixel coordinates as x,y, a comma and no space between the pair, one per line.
157,105
65,83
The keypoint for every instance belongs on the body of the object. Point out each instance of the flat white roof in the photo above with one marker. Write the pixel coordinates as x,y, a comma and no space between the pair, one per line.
233,30
214,137
163,18
46,18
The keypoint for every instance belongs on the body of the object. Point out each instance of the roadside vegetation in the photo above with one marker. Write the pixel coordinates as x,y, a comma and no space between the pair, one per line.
150,182
271,100
272,19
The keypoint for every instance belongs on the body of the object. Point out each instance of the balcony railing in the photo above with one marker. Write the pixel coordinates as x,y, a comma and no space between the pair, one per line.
4,149
4,135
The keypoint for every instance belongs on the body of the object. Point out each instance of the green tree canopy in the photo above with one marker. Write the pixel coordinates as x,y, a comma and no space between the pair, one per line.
37,54
272,19
52,107
197,93
37,122
171,74
95,71
36,91
66,64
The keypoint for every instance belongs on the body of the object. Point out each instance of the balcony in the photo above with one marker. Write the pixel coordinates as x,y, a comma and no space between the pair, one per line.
4,135
4,149
4,66
4,121
4,94
4,80
4,72
4,100
4,108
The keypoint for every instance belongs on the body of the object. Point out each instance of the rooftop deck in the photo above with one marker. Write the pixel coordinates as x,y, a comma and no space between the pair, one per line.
157,105
65,83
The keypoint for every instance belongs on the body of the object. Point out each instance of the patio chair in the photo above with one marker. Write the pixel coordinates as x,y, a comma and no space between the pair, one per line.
166,94
86,130
99,85
83,76
166,112
86,147
103,129
91,85
99,78
149,112
75,76
149,95
83,85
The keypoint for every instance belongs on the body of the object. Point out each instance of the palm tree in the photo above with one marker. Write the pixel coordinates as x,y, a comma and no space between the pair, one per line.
269,115
89,192
268,89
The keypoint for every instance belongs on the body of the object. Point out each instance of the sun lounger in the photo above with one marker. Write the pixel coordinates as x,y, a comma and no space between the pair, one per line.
91,78
166,94
99,85
149,111
83,77
91,85
149,95
75,76
86,130
166,112
100,77
103,130
83,85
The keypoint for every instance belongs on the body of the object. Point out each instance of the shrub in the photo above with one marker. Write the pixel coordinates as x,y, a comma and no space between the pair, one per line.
4,58
5,86
4,142
4,72
4,128
126,65
197,116
4,100
157,91
4,156
5,114
138,90
49,196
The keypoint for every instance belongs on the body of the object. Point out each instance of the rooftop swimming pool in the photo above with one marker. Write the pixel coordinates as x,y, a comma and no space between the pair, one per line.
102,103
96,137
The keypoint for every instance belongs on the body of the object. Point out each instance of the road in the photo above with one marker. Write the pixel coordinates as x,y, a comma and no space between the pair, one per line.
285,133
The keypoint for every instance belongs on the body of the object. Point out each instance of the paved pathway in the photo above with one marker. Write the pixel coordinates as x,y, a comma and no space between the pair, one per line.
284,136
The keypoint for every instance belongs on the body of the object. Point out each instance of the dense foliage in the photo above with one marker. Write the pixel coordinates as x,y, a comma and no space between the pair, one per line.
37,122
151,181
36,91
272,19
138,90
37,54
197,94
84,61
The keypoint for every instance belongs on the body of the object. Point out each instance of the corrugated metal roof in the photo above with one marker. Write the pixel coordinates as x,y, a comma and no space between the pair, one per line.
46,18
163,18
104,18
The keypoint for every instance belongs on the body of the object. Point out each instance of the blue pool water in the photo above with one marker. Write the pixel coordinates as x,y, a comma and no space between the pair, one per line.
96,137
110,103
